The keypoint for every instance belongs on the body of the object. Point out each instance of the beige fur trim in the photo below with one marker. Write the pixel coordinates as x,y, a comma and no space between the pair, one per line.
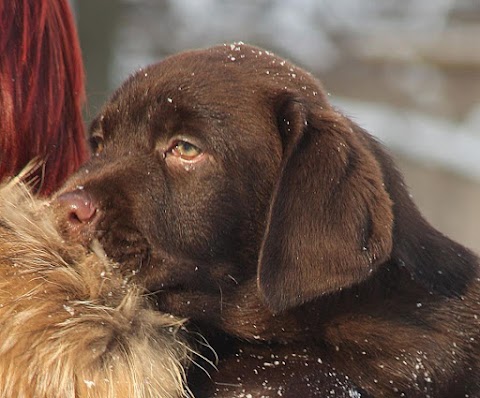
70,325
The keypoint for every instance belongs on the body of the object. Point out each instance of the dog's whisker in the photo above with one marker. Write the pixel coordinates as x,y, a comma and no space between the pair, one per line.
233,279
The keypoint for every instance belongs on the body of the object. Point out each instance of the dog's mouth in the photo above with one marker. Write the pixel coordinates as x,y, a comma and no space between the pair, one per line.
125,246
82,218
122,244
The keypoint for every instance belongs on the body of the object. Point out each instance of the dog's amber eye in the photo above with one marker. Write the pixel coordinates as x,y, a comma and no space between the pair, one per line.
96,144
185,150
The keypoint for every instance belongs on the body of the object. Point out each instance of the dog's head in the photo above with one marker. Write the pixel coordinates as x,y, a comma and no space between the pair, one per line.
226,165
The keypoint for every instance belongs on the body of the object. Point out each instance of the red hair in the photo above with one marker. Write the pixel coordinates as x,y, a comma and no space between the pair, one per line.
41,90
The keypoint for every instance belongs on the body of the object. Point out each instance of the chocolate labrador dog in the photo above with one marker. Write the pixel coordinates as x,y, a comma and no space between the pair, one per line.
226,182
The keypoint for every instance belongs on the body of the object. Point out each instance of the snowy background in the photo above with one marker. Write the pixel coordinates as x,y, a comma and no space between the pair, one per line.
408,71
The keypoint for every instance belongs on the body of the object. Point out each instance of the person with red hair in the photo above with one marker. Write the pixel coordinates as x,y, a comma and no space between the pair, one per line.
41,91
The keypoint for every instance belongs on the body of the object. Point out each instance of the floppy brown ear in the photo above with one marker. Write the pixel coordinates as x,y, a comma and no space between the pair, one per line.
330,220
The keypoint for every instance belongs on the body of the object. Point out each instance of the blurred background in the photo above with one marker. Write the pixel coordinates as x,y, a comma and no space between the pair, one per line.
408,71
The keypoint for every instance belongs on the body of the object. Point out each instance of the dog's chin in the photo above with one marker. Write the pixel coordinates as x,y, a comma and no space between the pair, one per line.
124,246
132,255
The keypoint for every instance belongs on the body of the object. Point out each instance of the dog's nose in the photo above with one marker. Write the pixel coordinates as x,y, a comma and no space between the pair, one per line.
78,207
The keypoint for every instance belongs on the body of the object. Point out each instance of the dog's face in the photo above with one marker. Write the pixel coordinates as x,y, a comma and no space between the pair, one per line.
226,169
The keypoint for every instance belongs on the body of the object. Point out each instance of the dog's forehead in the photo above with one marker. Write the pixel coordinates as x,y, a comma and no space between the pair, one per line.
233,76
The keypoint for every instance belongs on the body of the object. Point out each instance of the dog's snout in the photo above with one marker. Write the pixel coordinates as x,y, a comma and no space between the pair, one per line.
78,208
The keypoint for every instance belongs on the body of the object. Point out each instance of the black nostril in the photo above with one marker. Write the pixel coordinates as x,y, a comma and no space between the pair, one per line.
78,206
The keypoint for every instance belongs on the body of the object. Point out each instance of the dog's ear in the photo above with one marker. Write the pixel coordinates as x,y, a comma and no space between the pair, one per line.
330,220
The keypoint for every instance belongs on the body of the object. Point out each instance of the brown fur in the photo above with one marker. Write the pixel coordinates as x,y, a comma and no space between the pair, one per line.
293,233
70,324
